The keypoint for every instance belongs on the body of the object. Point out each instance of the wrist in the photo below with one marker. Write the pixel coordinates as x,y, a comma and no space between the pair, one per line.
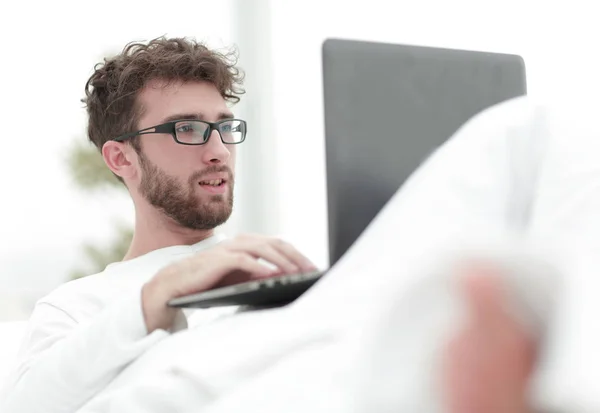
157,314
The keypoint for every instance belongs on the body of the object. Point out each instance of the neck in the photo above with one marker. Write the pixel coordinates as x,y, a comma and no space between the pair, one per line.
154,231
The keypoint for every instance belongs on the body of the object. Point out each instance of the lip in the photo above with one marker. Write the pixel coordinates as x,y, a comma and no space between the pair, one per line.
211,177
215,189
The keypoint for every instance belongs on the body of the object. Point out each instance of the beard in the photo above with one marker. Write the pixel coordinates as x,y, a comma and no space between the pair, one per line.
180,202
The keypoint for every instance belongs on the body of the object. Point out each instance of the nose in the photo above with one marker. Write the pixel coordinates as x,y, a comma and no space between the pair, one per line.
215,152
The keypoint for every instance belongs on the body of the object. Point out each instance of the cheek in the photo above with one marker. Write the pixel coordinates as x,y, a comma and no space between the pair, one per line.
232,157
160,151
171,160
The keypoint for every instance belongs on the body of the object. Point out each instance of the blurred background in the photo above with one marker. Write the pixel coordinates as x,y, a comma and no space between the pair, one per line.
59,217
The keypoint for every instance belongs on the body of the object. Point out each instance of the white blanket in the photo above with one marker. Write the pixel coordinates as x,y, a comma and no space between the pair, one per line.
520,184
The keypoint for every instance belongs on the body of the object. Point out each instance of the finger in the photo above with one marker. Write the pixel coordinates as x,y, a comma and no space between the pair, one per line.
224,264
286,251
485,296
294,255
281,261
238,276
462,384
243,261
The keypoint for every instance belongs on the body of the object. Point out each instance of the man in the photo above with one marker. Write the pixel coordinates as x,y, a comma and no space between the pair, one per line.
158,113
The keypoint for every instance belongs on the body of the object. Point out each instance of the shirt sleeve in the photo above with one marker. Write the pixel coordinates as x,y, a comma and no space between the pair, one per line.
63,363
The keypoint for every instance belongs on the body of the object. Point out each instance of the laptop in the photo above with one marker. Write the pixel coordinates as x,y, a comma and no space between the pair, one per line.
387,107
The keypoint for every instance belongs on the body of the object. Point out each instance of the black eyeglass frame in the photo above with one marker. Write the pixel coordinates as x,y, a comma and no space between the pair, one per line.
169,127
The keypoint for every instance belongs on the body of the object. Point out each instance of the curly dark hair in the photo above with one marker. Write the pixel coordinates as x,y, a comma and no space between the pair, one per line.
112,90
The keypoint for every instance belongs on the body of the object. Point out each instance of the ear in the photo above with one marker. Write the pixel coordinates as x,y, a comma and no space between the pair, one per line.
121,159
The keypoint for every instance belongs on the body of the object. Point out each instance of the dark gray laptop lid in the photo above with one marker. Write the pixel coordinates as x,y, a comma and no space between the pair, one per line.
387,107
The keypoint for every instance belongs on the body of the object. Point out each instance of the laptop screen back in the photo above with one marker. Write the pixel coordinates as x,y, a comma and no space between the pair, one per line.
387,107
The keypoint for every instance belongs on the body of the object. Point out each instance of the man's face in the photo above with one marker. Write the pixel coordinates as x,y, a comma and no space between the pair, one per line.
179,180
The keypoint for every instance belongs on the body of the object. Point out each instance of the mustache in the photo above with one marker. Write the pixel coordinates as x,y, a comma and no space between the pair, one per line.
198,175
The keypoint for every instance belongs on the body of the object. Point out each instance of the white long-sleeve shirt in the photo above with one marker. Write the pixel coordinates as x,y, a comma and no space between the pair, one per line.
85,332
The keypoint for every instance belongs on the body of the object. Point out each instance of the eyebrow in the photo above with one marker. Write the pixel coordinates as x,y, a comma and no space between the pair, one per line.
195,116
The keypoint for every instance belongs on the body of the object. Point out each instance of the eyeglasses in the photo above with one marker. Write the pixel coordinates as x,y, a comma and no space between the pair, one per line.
196,132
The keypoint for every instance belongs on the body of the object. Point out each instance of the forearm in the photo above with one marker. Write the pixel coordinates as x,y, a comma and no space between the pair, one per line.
78,366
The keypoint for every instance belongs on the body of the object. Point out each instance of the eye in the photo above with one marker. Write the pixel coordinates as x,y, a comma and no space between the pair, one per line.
183,128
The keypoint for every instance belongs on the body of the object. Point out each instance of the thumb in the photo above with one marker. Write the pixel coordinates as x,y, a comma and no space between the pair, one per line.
484,294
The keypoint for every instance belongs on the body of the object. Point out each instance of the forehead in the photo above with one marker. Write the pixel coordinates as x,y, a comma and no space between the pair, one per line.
160,100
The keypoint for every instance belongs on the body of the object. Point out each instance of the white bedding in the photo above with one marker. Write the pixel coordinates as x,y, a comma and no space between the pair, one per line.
520,179
520,183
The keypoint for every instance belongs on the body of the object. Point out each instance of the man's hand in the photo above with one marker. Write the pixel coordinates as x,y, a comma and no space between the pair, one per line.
230,262
489,363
